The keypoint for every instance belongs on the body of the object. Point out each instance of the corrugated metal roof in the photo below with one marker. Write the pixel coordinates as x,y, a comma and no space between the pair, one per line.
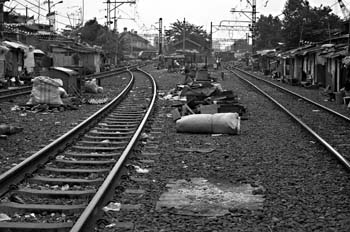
65,70
310,50
15,45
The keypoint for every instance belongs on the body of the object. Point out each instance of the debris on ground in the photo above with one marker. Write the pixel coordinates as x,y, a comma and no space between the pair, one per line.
204,107
92,87
192,149
112,206
200,197
96,101
204,98
46,90
6,129
4,217
220,123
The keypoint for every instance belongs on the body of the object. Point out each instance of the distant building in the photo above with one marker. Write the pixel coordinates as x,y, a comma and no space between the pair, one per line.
133,43
216,45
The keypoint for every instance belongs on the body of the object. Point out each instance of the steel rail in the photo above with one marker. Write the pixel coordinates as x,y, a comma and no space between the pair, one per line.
107,74
297,95
11,93
86,221
30,164
298,120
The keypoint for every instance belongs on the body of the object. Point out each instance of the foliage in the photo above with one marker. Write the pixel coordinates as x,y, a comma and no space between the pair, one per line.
96,34
193,32
268,32
241,45
301,22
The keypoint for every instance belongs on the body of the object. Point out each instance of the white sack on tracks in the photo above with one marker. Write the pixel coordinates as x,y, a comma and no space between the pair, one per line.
220,123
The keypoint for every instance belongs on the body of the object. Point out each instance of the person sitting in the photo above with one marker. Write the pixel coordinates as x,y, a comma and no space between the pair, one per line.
346,93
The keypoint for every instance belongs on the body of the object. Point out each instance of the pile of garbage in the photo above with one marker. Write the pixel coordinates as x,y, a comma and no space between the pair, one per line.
92,87
48,95
204,107
47,90
204,98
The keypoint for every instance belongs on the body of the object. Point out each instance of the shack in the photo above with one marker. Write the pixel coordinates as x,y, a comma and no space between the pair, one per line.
70,78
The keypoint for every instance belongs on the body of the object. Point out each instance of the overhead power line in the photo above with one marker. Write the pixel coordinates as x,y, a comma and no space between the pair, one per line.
40,14
57,21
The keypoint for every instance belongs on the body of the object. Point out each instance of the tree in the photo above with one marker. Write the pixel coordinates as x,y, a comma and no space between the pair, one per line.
268,32
303,23
96,34
193,32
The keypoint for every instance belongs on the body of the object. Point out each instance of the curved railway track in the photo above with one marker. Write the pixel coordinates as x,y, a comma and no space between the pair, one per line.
63,186
327,126
26,90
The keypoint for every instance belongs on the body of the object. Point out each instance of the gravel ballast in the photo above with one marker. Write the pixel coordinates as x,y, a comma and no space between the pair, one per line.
305,188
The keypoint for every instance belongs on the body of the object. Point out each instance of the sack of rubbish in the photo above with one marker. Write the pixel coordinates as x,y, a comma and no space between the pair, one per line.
220,123
92,87
63,92
6,129
45,91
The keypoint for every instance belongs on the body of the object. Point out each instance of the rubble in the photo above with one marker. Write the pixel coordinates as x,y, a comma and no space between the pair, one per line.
204,98
92,87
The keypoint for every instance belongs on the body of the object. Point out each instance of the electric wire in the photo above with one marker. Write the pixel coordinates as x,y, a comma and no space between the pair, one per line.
40,14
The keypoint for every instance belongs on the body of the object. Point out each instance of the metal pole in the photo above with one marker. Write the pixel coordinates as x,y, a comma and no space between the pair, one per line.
160,35
348,36
211,38
108,14
253,26
82,14
49,10
39,12
49,6
115,17
2,19
26,14
184,35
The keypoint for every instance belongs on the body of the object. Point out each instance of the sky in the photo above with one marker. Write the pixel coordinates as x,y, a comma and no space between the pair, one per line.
143,16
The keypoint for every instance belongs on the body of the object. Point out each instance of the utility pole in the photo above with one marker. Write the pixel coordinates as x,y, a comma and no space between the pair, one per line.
115,18
253,26
2,2
49,6
160,35
82,13
184,35
211,38
26,14
108,13
39,12
115,7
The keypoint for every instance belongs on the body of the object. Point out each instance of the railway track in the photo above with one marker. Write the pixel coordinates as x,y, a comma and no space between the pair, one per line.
63,186
26,90
14,92
327,126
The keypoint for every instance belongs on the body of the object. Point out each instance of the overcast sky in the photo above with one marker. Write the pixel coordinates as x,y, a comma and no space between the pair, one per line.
144,15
